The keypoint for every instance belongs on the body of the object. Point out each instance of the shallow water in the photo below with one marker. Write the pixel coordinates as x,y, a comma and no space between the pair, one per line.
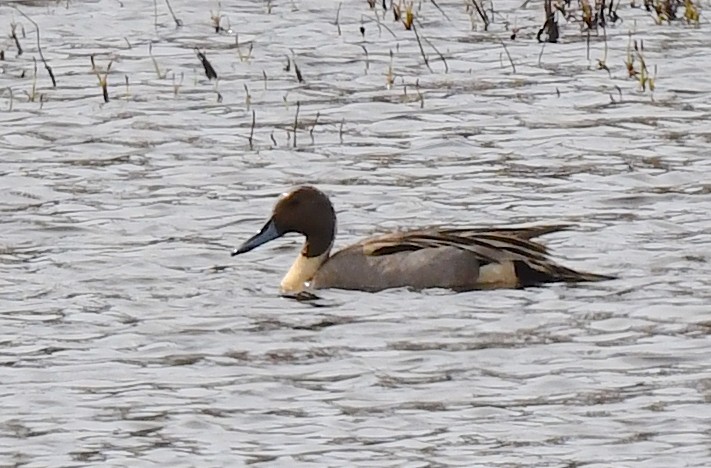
129,337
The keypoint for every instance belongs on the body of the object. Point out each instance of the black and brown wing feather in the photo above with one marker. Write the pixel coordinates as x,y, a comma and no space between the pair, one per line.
529,258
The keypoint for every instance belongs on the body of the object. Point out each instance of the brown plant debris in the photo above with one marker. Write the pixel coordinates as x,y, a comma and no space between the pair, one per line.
209,70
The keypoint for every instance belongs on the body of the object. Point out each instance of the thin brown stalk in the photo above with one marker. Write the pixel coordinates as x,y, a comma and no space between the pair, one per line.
13,35
540,56
440,10
311,132
446,66
178,22
217,91
338,14
482,14
367,59
103,81
39,48
9,109
248,97
251,130
155,14
33,95
380,24
513,67
155,63
297,70
177,84
422,51
296,120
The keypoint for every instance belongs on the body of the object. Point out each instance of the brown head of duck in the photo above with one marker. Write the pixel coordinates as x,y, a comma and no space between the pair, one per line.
454,258
306,211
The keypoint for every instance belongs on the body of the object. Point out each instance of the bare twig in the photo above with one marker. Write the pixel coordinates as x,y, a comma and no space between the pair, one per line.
367,59
338,14
103,81
482,14
311,132
33,95
155,63
251,130
248,97
446,67
243,57
9,89
13,35
602,63
178,22
513,67
422,51
296,120
380,24
155,14
39,47
439,8
177,84
299,77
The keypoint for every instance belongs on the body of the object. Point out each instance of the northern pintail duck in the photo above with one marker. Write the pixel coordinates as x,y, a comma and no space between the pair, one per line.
459,259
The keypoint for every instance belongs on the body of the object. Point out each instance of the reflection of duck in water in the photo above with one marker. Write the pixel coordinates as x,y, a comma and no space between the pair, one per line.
460,259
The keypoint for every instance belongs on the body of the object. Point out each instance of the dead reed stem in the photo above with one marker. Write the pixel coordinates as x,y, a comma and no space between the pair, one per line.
296,120
251,130
422,51
513,67
39,47
178,22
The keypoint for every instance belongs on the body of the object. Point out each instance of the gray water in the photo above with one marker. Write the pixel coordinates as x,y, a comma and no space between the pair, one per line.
130,337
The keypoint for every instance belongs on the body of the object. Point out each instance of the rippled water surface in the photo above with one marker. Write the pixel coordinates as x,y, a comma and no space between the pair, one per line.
130,337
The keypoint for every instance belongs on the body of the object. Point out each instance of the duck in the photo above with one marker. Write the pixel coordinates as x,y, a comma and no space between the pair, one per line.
459,259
